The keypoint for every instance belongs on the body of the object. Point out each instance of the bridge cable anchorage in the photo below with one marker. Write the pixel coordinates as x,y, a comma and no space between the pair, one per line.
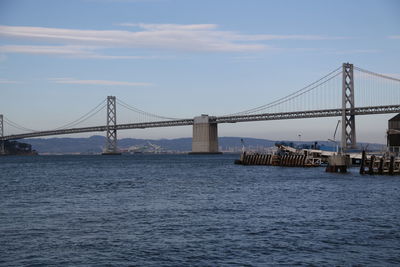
145,113
325,79
84,117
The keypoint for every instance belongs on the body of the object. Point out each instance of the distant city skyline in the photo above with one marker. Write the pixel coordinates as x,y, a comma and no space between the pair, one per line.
179,58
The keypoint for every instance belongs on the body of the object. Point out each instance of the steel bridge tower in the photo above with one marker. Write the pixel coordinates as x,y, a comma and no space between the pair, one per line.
348,117
111,138
2,148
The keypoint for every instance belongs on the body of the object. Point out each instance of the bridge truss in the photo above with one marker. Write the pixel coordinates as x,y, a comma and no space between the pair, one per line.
222,119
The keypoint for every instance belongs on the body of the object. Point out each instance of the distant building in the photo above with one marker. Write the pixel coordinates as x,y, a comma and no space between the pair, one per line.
393,136
18,148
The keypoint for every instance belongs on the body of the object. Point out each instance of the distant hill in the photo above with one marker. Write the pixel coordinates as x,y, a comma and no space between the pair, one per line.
95,144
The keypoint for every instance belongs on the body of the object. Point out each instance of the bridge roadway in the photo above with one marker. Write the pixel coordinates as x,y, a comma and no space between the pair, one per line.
222,119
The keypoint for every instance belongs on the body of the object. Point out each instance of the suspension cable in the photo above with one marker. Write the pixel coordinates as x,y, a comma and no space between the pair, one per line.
127,106
81,119
84,117
70,126
377,74
292,95
302,93
17,126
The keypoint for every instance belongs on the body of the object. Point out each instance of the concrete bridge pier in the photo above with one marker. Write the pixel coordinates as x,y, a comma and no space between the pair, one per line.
205,135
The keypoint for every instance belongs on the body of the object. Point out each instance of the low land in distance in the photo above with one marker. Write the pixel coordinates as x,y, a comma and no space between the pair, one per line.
95,145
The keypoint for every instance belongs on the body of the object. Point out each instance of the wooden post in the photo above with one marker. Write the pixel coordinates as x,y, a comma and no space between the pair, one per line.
380,169
362,166
391,164
371,165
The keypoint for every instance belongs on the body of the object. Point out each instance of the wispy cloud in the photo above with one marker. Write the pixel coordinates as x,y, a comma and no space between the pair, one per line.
190,37
44,49
64,50
97,82
6,81
124,1
158,27
394,37
357,51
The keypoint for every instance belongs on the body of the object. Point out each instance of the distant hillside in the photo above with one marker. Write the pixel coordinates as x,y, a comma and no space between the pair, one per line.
95,144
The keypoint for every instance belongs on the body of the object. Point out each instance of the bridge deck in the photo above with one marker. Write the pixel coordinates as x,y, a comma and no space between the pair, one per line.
222,119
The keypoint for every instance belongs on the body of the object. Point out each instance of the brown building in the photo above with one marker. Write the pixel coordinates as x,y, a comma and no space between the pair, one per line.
393,137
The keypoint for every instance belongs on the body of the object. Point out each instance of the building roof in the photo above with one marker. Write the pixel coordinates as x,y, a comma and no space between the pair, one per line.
395,118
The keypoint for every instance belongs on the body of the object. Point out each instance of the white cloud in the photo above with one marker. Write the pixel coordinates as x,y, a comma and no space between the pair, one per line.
357,51
191,37
31,49
156,27
5,81
64,50
123,1
97,82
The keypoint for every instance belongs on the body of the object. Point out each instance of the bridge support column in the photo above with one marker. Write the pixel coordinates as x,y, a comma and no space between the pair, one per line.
205,136
348,118
2,148
111,137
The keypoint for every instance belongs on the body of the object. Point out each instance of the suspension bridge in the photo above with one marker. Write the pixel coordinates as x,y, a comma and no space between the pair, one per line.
333,95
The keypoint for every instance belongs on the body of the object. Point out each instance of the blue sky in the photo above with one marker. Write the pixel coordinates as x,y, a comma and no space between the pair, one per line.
182,58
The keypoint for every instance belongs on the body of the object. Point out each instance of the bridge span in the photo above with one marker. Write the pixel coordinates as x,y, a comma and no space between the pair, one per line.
222,119
205,132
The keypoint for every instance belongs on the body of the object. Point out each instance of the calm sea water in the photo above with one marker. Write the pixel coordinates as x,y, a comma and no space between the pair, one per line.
181,210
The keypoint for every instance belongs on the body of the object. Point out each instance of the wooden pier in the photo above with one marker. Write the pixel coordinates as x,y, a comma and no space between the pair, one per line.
278,160
379,165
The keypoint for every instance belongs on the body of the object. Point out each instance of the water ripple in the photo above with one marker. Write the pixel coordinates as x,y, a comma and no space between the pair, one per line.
166,210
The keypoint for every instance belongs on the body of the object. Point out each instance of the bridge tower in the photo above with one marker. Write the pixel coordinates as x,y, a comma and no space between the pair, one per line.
2,148
348,118
111,138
